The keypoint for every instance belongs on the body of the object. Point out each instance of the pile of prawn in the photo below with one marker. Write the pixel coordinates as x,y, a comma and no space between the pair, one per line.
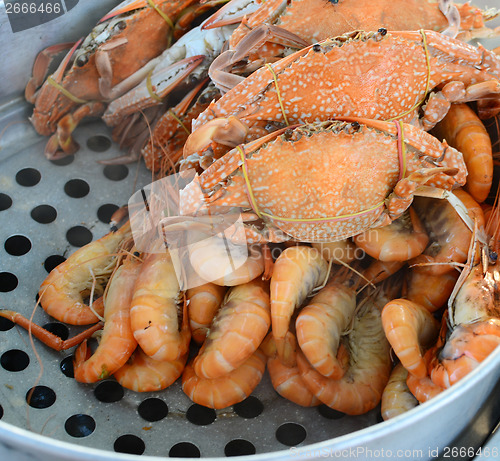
392,316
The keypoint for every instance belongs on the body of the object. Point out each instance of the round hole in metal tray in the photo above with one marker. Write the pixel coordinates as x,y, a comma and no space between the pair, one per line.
1,412
329,413
153,409
8,282
15,360
291,434
40,397
251,407
80,425
109,391
17,245
79,236
104,212
129,443
6,324
58,329
184,450
5,202
63,161
115,172
51,262
44,214
28,177
99,143
76,188
66,366
239,447
200,415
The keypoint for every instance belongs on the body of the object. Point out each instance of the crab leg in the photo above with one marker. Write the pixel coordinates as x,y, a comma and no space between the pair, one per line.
61,140
218,71
41,68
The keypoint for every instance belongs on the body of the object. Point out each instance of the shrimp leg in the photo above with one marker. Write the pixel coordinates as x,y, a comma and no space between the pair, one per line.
48,338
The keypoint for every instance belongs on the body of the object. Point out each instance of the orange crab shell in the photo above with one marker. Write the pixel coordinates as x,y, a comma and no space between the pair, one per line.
376,75
329,181
315,20
144,37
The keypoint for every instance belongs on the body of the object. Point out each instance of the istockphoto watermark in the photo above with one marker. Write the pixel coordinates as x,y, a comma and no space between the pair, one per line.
25,14
401,453
207,243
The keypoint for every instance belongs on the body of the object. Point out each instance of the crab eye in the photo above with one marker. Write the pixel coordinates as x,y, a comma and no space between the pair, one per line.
316,47
81,60
120,25
382,31
493,256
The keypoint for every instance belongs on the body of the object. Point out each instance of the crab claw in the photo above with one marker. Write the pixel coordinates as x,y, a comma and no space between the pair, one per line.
152,91
231,13
227,131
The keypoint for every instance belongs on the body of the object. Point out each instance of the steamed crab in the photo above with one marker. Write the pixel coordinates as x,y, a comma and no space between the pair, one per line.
326,181
377,75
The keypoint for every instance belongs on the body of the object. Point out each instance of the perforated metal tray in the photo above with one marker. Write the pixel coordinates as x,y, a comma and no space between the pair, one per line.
47,210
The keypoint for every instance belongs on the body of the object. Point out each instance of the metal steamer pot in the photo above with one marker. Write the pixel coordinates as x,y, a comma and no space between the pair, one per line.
48,209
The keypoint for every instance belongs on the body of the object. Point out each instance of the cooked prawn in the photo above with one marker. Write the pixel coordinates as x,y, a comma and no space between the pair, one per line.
423,388
297,271
204,301
117,341
397,398
339,251
409,327
154,312
403,239
450,237
429,290
320,325
360,389
473,309
378,271
238,328
63,292
227,390
287,381
464,131
141,373
465,349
